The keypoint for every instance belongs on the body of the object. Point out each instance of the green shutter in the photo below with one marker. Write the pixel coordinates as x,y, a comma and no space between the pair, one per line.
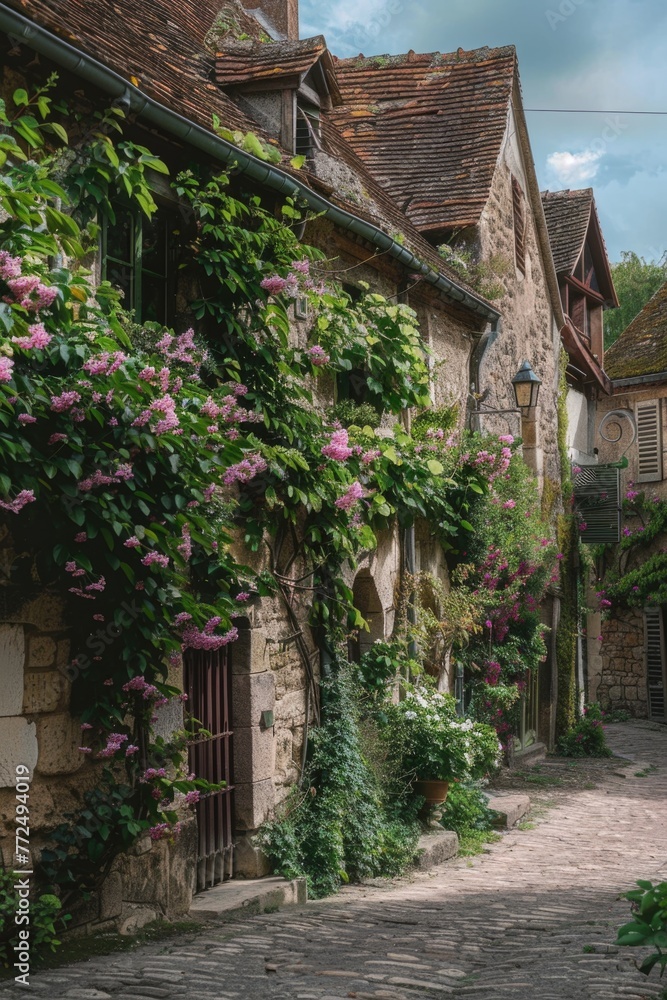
649,442
597,495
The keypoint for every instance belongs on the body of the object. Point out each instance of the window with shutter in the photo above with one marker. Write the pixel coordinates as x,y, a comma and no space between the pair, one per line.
654,646
597,495
519,225
649,442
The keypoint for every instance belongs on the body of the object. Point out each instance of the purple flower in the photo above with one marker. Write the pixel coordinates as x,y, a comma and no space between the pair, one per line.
318,356
354,493
19,501
338,448
6,366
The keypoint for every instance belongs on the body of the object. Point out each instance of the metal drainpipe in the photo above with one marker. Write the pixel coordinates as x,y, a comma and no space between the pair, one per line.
163,118
486,340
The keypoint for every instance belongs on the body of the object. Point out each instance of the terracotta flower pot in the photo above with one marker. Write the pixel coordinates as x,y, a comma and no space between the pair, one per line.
435,792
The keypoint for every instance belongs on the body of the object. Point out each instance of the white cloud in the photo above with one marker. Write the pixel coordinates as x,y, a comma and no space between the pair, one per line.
574,168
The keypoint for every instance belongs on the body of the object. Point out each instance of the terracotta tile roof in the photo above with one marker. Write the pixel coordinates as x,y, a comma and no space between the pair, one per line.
568,215
243,62
160,47
642,347
378,207
159,43
430,127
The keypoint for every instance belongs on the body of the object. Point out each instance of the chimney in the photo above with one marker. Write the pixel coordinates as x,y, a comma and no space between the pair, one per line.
280,15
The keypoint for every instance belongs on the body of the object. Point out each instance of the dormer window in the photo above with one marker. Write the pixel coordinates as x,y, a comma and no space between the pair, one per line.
307,131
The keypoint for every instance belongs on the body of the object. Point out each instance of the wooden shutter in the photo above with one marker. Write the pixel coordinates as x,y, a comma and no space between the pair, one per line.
597,495
654,645
649,441
519,225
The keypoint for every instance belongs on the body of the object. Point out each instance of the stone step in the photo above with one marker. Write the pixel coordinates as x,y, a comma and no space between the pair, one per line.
248,896
435,846
509,809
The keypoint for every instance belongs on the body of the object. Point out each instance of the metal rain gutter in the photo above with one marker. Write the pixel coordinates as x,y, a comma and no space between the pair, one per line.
619,383
116,86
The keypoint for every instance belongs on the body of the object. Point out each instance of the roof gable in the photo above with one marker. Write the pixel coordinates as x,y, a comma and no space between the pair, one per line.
573,224
642,347
430,127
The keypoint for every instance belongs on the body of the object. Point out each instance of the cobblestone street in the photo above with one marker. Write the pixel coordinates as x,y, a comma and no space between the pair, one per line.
534,917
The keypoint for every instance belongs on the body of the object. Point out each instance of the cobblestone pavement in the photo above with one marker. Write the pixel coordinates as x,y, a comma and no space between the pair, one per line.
533,918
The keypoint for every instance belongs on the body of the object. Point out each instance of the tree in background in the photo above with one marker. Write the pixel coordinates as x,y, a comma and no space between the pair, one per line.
636,280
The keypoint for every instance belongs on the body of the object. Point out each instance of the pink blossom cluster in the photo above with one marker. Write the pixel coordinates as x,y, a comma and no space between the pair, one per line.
98,586
56,438
29,292
354,493
181,348
275,285
19,501
6,369
184,547
37,340
166,405
10,267
228,411
192,798
370,456
245,470
114,743
104,363
155,559
132,542
26,418
63,402
98,478
338,448
147,691
492,676
318,356
192,638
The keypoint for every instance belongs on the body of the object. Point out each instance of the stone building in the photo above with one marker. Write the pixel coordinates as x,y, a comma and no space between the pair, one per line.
172,67
446,135
632,661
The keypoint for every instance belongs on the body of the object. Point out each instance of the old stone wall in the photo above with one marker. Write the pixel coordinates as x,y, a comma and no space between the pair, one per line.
38,730
528,329
622,681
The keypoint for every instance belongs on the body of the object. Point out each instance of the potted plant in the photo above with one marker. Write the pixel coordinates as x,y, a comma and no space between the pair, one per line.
432,746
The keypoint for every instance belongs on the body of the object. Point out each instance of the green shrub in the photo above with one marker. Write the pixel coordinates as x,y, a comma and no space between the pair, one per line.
45,917
345,823
648,926
586,738
349,414
466,809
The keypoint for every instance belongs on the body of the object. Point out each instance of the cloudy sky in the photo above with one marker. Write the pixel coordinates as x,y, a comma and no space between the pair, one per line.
599,54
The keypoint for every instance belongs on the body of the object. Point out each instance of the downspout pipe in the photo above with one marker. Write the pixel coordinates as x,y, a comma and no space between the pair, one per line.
163,118
476,360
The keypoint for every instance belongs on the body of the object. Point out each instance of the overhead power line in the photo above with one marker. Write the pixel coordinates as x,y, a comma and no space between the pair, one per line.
590,111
